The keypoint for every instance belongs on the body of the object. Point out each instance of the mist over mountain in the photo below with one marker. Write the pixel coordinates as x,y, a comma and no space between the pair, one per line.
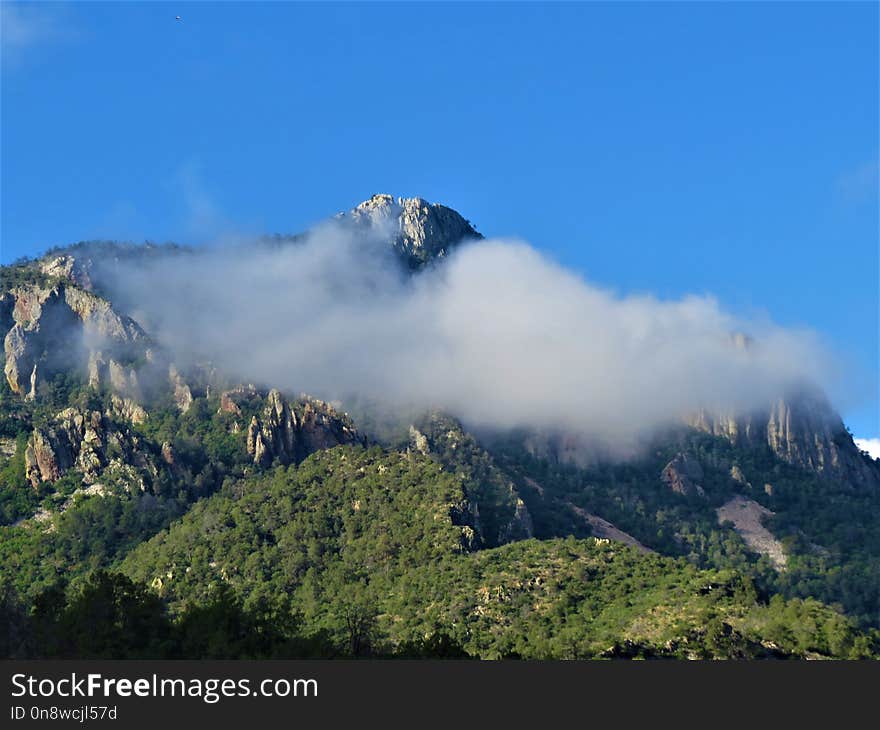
178,416
491,330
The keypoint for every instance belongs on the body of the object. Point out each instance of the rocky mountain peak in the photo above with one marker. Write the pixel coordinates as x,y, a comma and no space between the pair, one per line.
420,231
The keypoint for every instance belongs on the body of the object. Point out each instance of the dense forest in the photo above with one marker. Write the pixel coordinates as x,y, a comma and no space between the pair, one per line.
355,552
367,552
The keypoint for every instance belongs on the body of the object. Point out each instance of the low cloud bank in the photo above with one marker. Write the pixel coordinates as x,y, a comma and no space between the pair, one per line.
496,334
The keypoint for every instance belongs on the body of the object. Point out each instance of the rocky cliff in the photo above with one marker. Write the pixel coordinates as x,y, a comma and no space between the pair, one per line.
419,231
60,327
290,432
801,429
683,476
96,445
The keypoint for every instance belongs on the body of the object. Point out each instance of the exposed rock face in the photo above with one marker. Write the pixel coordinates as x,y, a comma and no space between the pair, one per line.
113,375
56,327
805,432
99,318
418,441
290,433
740,430
802,430
323,427
96,370
420,231
20,366
281,423
236,399
87,441
45,458
183,397
683,476
127,410
520,526
256,444
275,435
74,269
228,405
41,319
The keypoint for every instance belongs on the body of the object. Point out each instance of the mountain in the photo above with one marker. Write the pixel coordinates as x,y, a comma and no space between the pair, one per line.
751,534
418,231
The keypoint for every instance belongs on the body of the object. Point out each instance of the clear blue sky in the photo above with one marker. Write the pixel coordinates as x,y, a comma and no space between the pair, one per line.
729,149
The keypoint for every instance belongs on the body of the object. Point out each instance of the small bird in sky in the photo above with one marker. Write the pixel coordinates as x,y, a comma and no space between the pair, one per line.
177,17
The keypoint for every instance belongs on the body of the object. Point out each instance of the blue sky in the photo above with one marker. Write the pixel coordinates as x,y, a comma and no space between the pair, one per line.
693,148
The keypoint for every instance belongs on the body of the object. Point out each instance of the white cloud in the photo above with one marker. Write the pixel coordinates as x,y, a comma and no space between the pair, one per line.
872,446
498,335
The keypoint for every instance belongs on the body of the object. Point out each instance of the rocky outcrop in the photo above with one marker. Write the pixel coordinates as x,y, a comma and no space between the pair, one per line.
683,476
54,328
289,432
520,526
228,405
46,457
89,442
111,374
100,320
96,370
420,231
276,434
802,430
74,269
125,409
181,393
418,441
40,320
807,433
243,397
321,426
20,366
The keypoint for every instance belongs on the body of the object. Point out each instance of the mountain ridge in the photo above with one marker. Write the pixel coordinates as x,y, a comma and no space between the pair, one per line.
97,419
